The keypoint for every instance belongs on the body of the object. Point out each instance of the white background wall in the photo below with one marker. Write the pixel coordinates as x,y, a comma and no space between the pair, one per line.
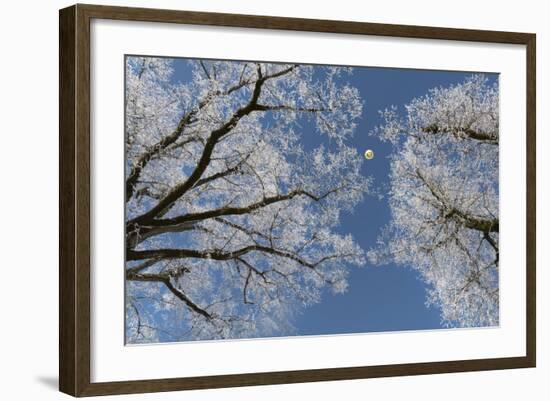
28,197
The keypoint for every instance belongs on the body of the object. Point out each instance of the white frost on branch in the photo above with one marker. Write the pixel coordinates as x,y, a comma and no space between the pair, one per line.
230,221
444,198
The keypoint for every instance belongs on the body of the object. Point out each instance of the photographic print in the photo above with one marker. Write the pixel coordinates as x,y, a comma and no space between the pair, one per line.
268,199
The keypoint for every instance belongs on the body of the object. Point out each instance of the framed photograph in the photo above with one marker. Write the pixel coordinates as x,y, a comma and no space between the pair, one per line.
250,200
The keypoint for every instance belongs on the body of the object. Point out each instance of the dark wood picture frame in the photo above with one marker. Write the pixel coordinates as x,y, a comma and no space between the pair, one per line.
74,203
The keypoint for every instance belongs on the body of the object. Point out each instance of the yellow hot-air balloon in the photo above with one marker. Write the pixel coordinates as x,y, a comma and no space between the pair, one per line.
369,154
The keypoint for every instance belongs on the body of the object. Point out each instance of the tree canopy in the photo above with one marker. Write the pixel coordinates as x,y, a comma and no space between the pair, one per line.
230,221
444,198
237,175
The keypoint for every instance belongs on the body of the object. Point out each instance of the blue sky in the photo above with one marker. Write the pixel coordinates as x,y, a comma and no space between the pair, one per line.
379,298
389,297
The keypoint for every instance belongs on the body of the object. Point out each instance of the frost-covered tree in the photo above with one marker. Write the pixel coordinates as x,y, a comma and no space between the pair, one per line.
444,198
230,222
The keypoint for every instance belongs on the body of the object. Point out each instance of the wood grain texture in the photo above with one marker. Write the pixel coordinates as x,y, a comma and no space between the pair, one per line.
74,199
67,295
531,202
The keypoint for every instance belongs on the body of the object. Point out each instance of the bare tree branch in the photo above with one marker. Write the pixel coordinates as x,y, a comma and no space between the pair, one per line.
165,279
463,132
209,146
